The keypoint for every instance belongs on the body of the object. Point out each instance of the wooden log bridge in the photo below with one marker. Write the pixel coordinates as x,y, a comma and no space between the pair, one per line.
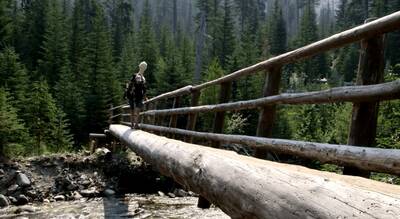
246,187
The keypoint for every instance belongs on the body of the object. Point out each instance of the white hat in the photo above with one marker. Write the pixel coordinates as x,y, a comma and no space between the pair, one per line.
143,66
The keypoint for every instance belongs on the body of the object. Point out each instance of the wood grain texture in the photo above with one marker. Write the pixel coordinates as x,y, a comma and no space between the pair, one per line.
245,187
365,158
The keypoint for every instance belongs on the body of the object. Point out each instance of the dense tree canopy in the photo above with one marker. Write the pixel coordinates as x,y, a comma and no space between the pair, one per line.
63,63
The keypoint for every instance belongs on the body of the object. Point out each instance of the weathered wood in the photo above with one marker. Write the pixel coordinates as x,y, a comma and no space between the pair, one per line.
365,114
174,118
245,187
267,115
379,92
366,158
219,118
192,117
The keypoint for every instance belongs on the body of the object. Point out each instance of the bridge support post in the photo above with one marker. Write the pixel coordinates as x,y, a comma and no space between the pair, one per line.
364,116
174,118
192,117
267,114
219,119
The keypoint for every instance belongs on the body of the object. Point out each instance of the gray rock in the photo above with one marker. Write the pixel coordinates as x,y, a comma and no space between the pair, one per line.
12,199
1,172
161,194
59,198
23,180
180,193
31,193
109,192
101,152
12,188
26,208
77,196
171,195
4,201
88,192
46,200
22,200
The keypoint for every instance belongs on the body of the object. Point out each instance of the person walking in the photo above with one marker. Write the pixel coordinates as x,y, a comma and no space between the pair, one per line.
135,92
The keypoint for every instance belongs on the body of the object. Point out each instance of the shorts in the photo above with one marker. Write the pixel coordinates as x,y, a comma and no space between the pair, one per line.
136,104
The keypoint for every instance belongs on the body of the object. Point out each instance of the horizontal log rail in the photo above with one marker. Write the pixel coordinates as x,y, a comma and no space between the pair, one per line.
245,187
379,26
378,92
366,158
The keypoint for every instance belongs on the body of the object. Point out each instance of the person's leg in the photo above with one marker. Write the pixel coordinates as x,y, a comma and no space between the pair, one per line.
132,117
136,117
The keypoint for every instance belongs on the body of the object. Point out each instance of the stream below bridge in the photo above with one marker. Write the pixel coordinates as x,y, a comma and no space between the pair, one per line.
129,206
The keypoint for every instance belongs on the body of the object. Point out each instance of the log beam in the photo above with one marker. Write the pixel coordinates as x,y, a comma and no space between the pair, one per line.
366,158
245,187
368,93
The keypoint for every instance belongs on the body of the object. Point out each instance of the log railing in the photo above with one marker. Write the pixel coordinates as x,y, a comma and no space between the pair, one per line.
369,91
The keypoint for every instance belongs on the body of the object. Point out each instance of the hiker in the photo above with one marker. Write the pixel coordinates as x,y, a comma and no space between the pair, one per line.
135,92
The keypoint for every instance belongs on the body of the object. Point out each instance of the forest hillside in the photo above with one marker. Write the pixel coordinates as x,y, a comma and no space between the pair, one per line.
63,63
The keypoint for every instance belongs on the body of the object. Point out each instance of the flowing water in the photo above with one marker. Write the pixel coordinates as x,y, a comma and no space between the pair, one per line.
130,206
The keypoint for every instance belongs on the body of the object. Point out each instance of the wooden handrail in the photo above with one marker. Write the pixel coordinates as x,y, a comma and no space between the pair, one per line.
365,158
380,26
378,92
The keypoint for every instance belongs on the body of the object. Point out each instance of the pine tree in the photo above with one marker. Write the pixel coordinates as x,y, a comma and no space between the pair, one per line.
6,24
315,68
121,24
33,29
228,39
12,130
277,31
104,88
147,50
44,120
55,45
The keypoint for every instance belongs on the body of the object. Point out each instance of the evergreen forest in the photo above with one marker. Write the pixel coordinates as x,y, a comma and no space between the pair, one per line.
63,63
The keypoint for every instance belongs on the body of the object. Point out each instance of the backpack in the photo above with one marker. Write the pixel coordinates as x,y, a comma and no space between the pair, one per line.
135,87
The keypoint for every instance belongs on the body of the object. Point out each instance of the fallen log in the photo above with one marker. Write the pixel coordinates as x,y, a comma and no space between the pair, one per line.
245,187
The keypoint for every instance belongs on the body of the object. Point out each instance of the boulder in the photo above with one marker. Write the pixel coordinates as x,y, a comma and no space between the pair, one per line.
22,200
180,193
171,195
89,192
23,180
59,198
13,188
1,172
109,192
12,199
76,195
4,201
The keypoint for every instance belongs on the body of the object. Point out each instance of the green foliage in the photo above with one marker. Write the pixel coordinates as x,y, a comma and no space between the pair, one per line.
45,121
314,68
388,131
276,31
12,131
211,95
13,76
147,49
235,124
55,45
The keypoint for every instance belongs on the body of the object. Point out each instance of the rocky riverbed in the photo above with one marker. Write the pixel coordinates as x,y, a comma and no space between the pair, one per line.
100,185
